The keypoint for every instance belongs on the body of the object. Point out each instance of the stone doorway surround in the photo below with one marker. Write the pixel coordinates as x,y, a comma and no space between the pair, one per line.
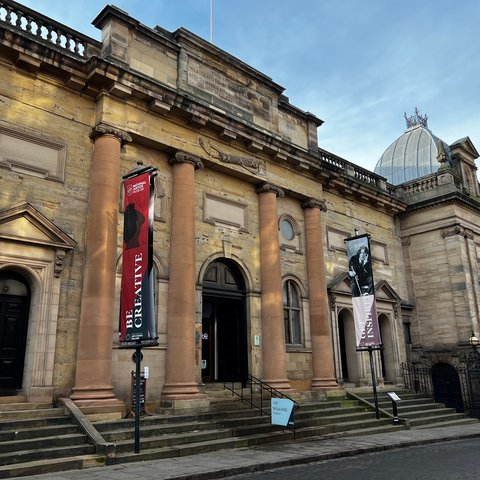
33,246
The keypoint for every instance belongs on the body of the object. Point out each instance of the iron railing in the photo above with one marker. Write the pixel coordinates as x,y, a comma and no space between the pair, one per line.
258,394
420,380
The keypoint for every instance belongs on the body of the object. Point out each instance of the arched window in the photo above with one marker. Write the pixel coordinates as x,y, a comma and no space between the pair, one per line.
292,313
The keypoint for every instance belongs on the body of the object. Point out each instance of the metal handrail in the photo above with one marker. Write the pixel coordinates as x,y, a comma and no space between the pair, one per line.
261,388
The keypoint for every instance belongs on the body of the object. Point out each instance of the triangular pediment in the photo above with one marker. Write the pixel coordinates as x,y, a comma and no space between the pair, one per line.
467,145
384,291
340,285
24,223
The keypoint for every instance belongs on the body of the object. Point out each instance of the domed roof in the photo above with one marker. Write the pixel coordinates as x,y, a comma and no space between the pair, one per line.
412,155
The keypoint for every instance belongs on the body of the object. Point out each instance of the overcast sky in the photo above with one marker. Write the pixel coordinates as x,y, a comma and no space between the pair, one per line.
359,65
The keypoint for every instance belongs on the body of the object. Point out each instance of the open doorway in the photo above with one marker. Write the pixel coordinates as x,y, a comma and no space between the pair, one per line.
14,309
224,329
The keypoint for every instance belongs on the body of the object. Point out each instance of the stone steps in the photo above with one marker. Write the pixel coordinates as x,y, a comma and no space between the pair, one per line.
235,425
38,438
420,411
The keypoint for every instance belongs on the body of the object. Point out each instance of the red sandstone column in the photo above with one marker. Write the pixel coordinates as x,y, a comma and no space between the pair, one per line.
93,382
180,362
273,328
322,349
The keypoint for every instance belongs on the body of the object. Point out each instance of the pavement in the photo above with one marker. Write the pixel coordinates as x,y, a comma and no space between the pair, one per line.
226,463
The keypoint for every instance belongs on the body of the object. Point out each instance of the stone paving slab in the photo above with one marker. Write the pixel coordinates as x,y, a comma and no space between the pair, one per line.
221,464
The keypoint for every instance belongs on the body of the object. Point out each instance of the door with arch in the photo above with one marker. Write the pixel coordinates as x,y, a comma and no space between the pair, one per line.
446,386
348,349
14,309
224,329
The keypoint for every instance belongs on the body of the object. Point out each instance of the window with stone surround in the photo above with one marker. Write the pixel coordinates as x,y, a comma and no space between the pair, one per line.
292,313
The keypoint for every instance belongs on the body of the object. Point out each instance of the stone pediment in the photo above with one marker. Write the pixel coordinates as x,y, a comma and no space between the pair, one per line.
467,145
385,292
24,223
340,285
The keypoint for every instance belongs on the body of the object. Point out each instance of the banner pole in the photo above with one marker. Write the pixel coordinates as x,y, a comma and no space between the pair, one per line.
374,383
138,360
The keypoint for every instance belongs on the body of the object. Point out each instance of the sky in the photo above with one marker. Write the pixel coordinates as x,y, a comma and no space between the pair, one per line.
359,65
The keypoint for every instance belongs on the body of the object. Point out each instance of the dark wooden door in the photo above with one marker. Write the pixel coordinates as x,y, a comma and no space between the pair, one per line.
13,337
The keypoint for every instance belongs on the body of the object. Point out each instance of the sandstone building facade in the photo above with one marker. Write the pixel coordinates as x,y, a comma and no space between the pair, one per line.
251,215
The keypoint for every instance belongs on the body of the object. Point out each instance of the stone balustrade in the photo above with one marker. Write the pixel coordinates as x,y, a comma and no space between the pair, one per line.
45,29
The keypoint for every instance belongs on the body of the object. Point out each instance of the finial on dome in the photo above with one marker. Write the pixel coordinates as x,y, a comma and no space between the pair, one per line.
416,119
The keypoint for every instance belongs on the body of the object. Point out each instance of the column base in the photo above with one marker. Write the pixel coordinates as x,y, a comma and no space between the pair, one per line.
181,391
282,385
324,383
98,403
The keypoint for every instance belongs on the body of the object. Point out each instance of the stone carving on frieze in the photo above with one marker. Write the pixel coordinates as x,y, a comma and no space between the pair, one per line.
257,167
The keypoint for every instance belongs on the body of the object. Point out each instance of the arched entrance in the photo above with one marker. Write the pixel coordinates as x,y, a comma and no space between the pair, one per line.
387,358
348,349
14,309
446,386
224,329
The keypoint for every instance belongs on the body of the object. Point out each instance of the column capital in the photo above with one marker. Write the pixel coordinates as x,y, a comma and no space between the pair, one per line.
184,157
268,187
313,203
104,129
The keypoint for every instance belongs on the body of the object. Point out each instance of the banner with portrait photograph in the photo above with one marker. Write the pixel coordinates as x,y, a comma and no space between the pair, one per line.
137,322
367,331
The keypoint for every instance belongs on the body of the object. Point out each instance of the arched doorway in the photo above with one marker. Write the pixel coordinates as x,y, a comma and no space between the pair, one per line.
224,329
14,309
348,349
446,386
387,357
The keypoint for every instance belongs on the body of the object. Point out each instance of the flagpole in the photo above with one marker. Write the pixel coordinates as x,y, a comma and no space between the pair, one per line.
211,21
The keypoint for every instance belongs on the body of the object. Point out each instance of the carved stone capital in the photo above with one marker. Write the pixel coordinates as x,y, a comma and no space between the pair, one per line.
268,187
457,230
104,129
184,157
313,203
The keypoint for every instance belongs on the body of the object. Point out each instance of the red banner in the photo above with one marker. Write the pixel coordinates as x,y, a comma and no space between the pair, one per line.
367,331
137,323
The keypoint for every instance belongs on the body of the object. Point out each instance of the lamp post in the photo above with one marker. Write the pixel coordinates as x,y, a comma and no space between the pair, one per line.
474,342
473,358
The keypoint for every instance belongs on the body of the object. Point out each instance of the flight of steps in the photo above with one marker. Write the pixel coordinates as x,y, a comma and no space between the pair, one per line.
231,424
37,438
420,411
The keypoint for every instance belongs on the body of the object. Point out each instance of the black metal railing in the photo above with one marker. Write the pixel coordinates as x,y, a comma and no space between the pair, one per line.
258,394
420,380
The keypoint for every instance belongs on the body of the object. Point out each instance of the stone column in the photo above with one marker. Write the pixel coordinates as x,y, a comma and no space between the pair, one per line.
180,372
93,382
322,347
273,328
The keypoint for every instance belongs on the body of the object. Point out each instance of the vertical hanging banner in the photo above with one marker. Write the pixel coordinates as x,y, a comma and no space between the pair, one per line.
137,322
367,331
